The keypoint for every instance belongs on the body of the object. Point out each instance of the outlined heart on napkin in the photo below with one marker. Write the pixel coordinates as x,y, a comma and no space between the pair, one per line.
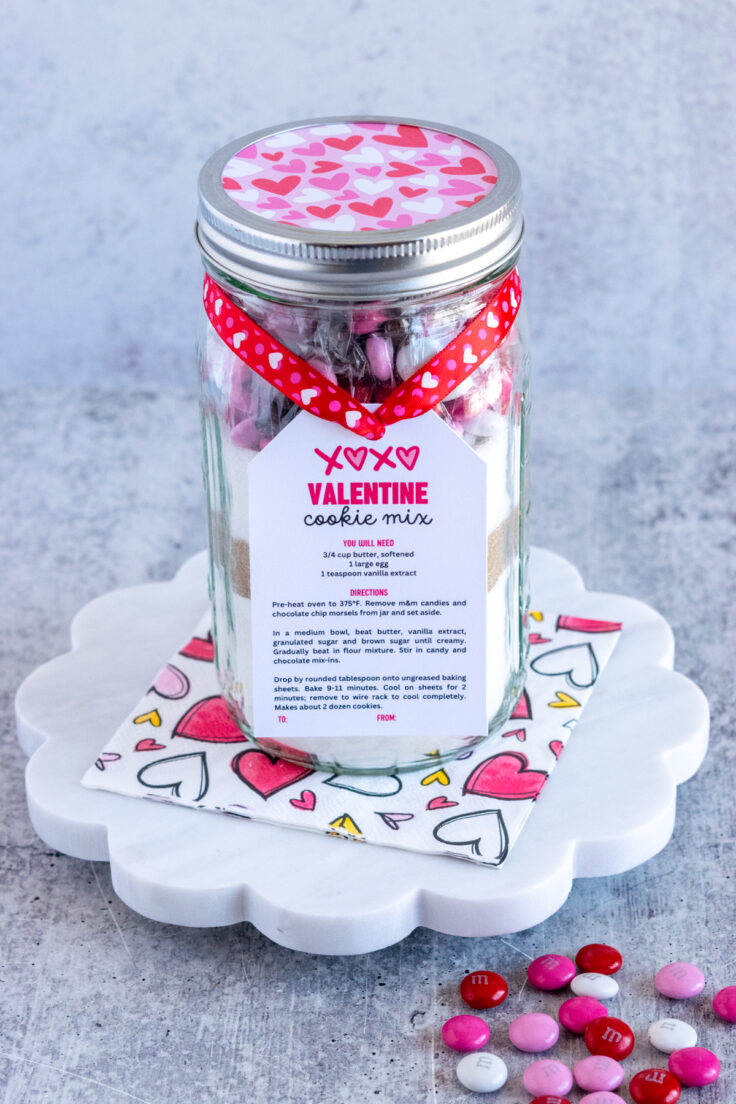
472,808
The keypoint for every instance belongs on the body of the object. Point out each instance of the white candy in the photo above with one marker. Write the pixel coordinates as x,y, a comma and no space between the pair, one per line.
482,1072
415,352
600,986
671,1035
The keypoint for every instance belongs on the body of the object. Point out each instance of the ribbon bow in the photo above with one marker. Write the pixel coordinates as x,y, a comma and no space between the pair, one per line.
304,385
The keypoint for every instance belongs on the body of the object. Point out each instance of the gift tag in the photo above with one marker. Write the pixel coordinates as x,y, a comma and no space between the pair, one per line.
368,581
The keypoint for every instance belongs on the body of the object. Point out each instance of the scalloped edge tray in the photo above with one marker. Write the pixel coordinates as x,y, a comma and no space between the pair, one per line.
609,806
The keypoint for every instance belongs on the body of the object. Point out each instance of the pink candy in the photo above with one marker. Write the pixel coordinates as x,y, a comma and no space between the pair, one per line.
323,368
724,1004
364,321
598,1073
551,971
465,1033
694,1066
547,1076
380,353
575,1014
601,1098
679,980
533,1032
246,434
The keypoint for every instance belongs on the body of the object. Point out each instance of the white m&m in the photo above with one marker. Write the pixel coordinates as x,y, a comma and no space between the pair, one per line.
482,1072
600,986
671,1035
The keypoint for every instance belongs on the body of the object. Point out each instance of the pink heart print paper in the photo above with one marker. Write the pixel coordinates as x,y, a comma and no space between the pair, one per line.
351,176
185,749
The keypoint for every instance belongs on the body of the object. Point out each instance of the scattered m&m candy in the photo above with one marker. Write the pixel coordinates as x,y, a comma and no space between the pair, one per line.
602,1097
547,1074
598,958
483,989
679,980
724,1004
482,1072
598,986
671,1035
695,1066
609,1036
465,1033
533,1032
654,1086
576,1013
598,1073
551,972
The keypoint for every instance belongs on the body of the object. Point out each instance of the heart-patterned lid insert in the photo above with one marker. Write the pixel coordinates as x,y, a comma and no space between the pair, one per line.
361,175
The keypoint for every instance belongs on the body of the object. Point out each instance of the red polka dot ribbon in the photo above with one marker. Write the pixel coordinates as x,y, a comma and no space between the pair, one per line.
305,386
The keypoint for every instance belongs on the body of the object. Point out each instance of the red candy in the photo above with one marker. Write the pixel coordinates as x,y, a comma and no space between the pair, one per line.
609,1036
598,958
550,1100
654,1086
483,989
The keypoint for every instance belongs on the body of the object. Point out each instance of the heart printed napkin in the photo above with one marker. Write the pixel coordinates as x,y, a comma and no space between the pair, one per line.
180,745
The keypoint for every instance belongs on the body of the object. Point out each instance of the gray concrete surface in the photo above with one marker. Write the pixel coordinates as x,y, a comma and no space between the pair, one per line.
100,1006
622,117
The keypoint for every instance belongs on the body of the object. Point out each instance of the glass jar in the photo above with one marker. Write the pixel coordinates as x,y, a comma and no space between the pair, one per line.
348,631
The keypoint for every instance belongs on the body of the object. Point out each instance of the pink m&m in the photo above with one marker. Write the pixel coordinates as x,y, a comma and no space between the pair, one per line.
694,1066
546,1099
679,980
547,1075
601,1098
598,1073
724,1004
551,972
576,1013
533,1032
465,1033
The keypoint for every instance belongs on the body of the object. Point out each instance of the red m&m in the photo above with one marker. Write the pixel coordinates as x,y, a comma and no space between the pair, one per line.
550,1100
609,1036
483,989
654,1086
598,958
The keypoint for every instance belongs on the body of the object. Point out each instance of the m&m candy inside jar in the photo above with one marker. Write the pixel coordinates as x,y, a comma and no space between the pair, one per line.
364,382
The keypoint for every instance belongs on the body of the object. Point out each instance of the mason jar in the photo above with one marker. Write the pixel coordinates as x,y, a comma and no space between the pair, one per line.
364,402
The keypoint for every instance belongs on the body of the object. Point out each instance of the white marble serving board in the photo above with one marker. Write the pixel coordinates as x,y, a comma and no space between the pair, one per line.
609,806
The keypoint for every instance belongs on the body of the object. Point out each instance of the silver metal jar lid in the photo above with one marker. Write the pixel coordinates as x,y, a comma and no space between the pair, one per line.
273,238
